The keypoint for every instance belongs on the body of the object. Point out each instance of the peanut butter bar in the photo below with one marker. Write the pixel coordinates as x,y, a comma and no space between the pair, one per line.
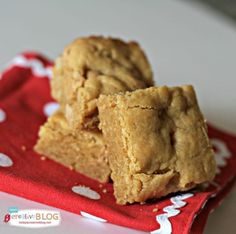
92,66
83,151
157,140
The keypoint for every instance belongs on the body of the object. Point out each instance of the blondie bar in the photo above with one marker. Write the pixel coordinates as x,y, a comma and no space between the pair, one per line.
157,140
93,65
83,151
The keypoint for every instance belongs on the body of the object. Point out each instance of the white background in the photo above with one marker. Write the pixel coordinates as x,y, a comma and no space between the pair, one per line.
186,43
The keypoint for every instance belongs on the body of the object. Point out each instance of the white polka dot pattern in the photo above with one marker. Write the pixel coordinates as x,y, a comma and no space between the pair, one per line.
86,192
2,115
5,161
87,215
50,108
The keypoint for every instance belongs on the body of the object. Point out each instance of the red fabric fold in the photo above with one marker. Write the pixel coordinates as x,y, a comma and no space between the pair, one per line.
24,104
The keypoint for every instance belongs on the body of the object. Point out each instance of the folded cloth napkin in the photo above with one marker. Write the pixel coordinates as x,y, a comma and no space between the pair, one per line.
25,103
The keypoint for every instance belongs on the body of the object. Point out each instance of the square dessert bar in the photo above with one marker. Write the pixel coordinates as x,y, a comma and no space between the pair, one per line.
93,65
157,140
84,151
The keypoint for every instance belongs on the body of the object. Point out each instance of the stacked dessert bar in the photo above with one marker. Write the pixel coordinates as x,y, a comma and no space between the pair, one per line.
87,68
113,123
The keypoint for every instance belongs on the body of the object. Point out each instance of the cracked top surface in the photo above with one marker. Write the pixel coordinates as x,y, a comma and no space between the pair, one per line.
93,65
157,133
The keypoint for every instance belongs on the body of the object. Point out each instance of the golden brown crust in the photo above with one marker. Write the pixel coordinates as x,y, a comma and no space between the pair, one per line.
93,65
84,151
158,142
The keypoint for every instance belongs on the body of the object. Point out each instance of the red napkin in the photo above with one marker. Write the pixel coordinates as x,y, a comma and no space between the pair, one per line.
25,103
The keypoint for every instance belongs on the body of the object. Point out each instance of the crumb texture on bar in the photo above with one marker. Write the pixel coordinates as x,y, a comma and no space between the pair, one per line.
84,151
158,143
91,66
